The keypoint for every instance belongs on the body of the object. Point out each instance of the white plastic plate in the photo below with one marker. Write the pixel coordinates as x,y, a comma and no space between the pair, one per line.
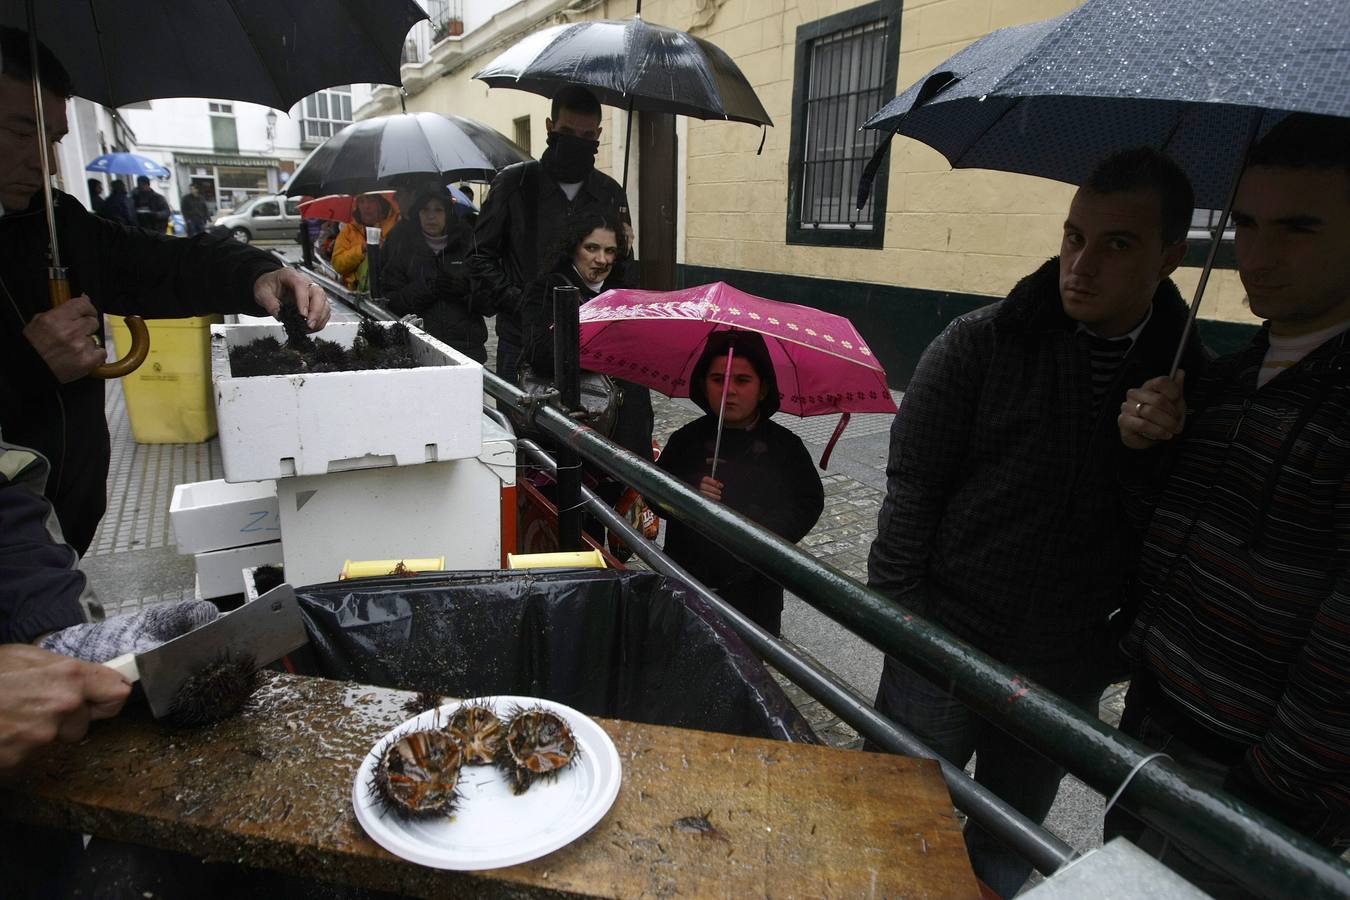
491,827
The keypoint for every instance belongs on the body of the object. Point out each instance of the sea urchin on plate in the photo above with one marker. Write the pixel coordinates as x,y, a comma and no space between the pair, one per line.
418,773
479,733
539,744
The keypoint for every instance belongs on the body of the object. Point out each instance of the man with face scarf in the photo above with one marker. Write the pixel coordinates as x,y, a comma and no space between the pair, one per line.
527,209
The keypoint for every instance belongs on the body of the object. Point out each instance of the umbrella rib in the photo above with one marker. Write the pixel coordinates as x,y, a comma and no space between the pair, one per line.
102,57
234,8
990,127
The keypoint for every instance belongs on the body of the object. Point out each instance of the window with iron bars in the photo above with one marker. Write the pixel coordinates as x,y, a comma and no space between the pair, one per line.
324,114
846,70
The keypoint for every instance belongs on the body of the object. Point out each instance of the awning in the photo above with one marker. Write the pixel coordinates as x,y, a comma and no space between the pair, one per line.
217,159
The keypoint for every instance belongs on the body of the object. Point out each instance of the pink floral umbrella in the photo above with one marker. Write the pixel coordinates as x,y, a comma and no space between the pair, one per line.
654,338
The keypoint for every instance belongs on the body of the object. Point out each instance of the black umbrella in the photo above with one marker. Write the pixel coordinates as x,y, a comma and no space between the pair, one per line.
273,52
379,153
252,50
631,64
1197,79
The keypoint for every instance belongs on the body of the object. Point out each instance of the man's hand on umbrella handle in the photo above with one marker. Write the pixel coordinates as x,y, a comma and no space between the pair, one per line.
272,287
711,488
1153,412
63,337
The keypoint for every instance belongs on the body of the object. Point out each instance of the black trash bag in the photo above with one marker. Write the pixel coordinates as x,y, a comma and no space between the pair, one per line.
624,645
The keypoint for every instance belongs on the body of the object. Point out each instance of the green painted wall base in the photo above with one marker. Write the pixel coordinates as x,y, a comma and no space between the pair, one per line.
898,322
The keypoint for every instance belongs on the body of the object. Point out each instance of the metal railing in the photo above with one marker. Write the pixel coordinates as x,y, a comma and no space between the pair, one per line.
1262,854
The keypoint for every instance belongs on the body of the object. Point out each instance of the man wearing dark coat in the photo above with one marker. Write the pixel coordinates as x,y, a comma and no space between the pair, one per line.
527,208
117,206
49,401
1006,519
152,210
195,212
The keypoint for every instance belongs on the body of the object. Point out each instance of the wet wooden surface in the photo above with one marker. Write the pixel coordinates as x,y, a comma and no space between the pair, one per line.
272,788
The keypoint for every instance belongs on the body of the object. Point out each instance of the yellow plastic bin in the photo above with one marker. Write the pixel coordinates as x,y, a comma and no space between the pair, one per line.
169,397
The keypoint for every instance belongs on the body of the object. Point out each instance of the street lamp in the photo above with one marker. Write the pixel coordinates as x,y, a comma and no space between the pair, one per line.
271,129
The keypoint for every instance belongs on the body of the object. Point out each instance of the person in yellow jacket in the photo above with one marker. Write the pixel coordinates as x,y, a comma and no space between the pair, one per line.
349,253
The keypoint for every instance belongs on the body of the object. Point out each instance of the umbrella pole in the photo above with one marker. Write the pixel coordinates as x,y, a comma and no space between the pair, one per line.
567,377
1213,253
44,151
627,142
58,281
721,411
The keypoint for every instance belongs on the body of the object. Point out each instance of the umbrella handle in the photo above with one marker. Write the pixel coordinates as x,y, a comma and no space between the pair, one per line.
721,411
59,291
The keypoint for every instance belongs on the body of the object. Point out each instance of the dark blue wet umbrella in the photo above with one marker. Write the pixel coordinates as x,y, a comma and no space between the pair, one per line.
127,164
1198,79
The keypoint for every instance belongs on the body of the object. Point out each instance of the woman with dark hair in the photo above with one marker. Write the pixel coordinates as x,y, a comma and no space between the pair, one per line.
763,471
425,273
590,257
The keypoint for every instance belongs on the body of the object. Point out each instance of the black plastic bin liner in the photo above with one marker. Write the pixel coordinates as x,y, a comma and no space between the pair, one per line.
625,645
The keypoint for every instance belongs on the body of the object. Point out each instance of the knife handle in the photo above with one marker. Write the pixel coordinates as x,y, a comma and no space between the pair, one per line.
125,665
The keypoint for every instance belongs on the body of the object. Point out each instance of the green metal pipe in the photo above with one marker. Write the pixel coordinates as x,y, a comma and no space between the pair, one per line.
1257,851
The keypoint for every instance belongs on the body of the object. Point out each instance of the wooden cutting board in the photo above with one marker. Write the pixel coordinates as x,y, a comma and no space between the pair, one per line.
272,788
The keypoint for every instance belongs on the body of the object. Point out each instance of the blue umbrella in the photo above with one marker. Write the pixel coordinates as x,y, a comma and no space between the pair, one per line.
127,164
461,197
1197,79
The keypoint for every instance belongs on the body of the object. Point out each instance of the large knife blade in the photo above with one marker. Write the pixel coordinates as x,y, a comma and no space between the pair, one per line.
266,629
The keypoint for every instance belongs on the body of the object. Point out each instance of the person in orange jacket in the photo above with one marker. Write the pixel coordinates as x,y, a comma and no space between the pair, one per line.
349,253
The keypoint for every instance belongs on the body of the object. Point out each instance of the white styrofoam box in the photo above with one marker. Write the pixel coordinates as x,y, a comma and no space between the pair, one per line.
221,572
244,319
275,426
450,509
214,515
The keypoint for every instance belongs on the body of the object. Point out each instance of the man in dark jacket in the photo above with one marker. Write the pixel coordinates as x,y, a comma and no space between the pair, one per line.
1240,641
48,401
528,207
117,206
1003,519
195,212
152,210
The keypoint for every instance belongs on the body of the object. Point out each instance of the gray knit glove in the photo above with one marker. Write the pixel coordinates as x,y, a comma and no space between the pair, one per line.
133,633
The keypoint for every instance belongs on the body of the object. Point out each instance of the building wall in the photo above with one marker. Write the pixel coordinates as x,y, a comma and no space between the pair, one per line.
953,238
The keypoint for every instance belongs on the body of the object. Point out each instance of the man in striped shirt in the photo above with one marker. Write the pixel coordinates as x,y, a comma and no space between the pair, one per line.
1243,635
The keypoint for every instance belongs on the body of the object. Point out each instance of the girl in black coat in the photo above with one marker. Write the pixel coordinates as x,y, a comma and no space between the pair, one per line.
425,273
764,472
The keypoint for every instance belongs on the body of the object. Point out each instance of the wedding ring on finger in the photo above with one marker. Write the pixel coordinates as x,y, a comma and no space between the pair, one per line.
1139,408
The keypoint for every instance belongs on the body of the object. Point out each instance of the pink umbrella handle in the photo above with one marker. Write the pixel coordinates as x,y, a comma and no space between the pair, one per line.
721,411
834,439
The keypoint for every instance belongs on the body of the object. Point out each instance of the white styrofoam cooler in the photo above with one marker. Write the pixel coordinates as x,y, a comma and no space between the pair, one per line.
221,572
214,515
450,509
276,426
